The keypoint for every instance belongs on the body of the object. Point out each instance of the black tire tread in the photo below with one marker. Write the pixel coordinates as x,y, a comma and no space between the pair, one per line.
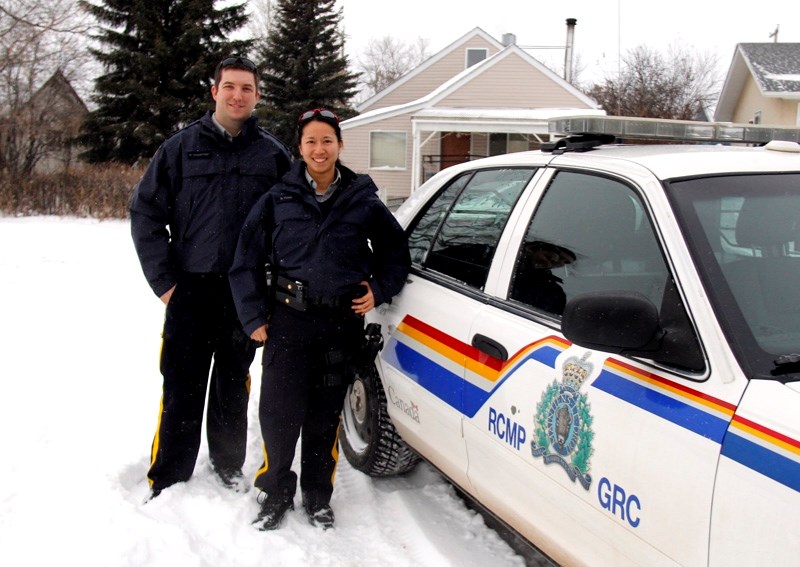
388,454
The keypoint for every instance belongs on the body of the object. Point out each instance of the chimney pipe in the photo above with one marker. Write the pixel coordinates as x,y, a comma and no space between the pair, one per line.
568,52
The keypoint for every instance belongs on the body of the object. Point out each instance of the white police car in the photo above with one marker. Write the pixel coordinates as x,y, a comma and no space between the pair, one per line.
601,344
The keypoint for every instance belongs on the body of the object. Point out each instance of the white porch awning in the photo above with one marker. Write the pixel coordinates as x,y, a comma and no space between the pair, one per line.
492,120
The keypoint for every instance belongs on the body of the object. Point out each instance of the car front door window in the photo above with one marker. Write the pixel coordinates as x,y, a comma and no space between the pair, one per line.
589,233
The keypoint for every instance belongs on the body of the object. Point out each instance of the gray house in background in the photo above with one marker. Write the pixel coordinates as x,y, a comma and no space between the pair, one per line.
477,97
64,112
762,85
38,135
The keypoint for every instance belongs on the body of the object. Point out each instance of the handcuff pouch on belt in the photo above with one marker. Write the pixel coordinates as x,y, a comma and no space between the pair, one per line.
291,293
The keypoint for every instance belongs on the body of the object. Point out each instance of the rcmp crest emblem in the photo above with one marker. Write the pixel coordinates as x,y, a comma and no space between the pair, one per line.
562,432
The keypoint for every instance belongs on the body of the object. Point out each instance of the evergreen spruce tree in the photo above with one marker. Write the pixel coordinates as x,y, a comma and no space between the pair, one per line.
303,66
159,60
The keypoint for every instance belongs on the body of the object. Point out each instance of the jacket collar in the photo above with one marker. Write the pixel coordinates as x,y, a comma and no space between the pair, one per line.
350,181
249,128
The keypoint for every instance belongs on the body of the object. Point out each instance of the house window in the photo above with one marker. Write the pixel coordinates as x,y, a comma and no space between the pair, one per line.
475,55
387,150
501,143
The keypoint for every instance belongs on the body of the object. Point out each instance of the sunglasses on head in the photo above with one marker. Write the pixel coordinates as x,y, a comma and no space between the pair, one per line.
309,114
238,61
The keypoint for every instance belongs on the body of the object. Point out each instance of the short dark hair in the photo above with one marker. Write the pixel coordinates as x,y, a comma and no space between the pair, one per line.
236,62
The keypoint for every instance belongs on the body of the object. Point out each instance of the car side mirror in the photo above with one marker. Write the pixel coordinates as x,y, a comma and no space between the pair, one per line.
627,323
615,321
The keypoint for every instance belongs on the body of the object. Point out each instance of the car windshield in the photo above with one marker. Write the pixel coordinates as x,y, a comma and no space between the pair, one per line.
744,234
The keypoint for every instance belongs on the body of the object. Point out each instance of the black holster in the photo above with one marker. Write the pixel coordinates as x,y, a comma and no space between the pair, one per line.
373,343
343,365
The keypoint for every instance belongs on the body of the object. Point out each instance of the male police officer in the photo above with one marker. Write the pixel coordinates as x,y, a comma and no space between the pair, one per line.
186,215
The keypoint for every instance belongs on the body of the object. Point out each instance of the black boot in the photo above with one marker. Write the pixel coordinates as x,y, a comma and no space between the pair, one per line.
273,509
232,479
320,516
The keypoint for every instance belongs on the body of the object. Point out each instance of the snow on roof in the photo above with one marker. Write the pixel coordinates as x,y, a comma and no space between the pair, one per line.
775,66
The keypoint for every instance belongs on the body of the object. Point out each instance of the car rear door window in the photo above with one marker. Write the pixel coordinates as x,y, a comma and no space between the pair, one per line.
457,234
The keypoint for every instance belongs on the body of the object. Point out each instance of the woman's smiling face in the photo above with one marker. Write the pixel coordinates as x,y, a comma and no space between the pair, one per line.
320,148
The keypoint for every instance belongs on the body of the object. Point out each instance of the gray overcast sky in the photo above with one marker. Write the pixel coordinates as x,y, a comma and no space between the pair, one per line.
605,28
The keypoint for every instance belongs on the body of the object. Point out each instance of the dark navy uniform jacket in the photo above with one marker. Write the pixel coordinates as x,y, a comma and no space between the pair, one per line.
189,207
359,240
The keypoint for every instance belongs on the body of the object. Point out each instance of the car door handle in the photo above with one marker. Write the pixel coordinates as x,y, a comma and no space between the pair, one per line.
489,346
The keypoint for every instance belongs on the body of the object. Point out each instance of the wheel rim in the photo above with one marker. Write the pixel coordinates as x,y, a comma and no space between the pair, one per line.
354,416
358,403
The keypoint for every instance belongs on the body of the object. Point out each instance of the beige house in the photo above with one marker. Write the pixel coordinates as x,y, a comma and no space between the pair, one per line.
475,98
762,85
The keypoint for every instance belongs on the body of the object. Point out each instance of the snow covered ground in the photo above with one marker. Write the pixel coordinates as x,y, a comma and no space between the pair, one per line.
80,338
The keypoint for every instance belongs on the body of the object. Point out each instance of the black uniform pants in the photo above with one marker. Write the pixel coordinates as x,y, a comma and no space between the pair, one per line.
201,324
295,397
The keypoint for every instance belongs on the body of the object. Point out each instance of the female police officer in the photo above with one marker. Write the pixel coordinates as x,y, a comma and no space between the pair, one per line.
335,252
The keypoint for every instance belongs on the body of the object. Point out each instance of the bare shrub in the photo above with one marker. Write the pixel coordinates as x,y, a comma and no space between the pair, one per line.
98,191
679,85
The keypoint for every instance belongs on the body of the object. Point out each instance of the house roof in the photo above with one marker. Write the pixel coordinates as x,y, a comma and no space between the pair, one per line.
424,106
775,68
477,31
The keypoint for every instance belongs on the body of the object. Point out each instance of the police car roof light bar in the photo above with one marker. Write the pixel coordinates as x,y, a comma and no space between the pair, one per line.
671,130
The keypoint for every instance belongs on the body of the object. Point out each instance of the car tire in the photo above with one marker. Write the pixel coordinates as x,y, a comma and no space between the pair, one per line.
368,439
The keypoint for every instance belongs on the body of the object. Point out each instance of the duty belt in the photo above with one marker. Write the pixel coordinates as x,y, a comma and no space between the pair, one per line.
293,293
